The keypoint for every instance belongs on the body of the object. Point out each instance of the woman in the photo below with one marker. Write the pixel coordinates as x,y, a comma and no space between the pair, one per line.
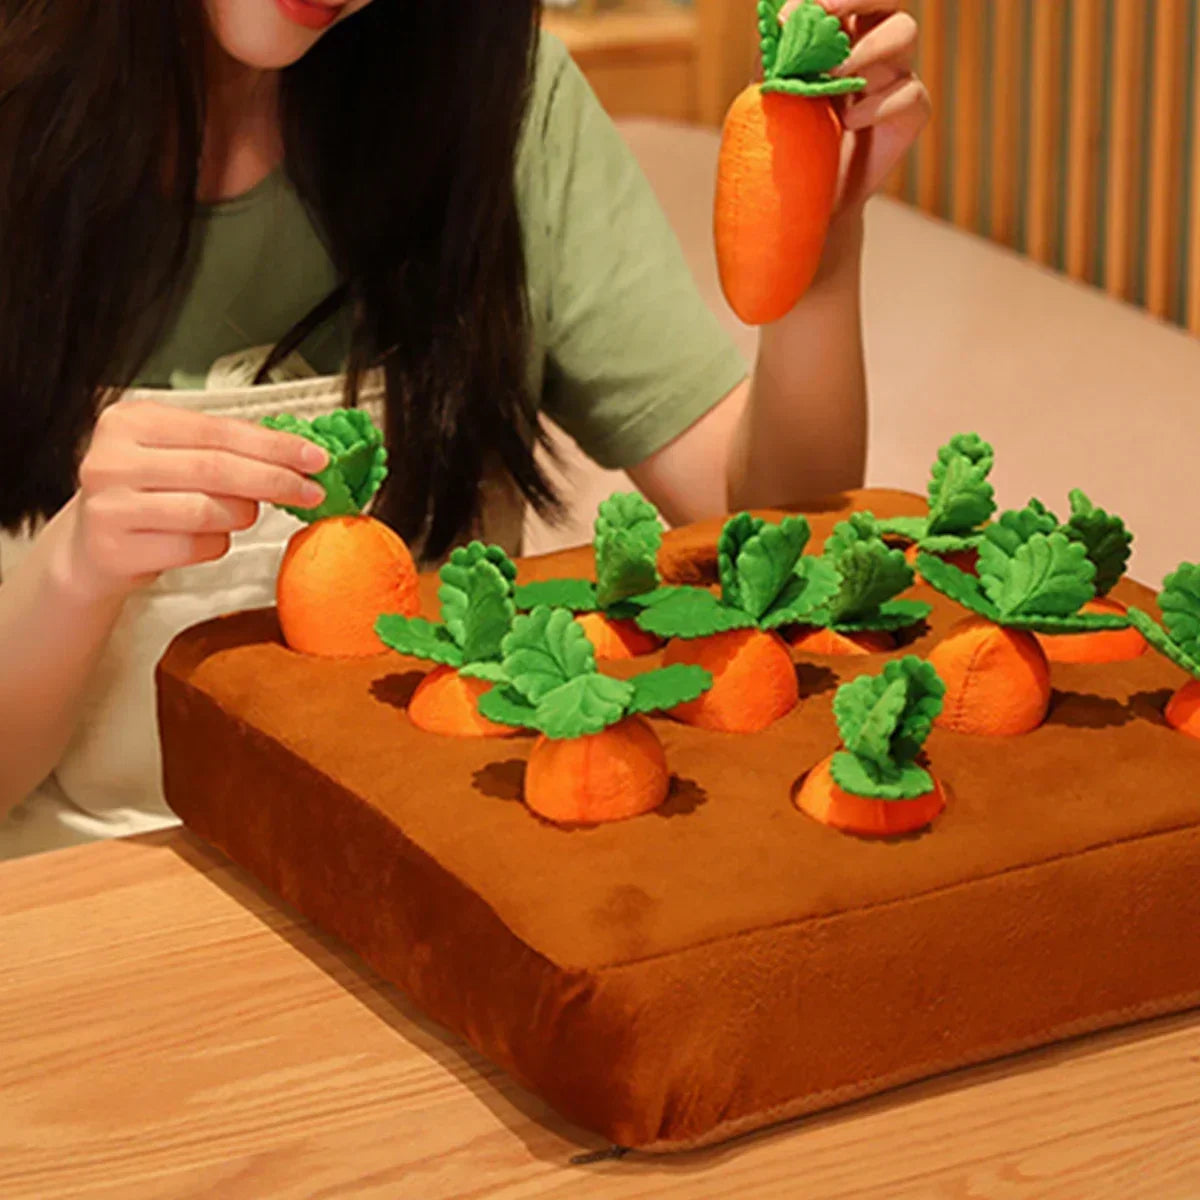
214,211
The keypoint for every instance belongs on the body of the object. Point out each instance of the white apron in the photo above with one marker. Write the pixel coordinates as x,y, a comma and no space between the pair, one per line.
108,782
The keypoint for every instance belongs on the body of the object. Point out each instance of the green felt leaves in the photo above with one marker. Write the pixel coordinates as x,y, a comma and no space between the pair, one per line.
628,536
1180,604
1104,536
690,613
957,585
357,460
884,720
552,685
798,56
477,612
575,595
766,562
960,497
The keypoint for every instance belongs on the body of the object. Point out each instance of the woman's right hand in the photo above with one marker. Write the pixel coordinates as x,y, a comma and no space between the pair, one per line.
161,487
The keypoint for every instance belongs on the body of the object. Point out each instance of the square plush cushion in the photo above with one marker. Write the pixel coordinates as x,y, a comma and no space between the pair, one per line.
725,962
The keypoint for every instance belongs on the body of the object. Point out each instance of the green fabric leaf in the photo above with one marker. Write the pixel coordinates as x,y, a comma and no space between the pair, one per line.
770,30
662,690
950,543
1046,576
869,574
960,497
957,585
912,529
1074,623
812,586
1162,641
419,638
896,614
628,537
860,778
856,528
357,460
1037,506
582,706
736,532
1108,543
1015,527
469,555
477,608
492,672
1180,604
829,85
576,595
544,650
767,561
691,613
811,45
506,706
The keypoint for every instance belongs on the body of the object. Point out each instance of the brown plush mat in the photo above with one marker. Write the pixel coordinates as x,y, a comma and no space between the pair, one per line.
725,962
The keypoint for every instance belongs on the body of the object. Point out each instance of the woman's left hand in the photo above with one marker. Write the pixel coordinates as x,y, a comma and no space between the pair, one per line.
883,121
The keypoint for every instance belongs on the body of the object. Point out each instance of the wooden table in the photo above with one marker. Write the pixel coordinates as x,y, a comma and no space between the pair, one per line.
169,1030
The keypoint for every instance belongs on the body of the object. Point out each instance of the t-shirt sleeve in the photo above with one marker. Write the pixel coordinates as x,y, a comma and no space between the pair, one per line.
634,356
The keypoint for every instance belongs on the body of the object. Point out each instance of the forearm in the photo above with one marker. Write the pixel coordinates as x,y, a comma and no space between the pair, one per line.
51,637
803,430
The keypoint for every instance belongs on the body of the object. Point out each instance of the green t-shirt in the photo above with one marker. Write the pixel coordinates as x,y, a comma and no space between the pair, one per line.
624,356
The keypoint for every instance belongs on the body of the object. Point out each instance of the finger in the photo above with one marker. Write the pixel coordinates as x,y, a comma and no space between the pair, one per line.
175,512
219,473
165,426
149,554
879,77
904,100
851,8
894,41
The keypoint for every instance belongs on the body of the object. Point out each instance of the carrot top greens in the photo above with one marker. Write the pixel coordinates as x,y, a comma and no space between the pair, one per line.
357,460
628,534
766,581
550,682
1032,576
884,720
477,612
799,55
1103,535
1180,605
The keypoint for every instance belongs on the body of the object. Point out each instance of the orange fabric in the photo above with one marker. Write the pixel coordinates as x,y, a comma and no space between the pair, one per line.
829,641
1183,709
723,962
822,799
609,776
997,680
337,576
445,703
1119,645
616,640
776,180
754,680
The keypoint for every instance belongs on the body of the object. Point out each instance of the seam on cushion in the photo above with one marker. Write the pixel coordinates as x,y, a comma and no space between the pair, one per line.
835,1097
1193,826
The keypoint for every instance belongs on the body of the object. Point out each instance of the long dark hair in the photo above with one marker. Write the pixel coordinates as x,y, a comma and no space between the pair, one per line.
400,129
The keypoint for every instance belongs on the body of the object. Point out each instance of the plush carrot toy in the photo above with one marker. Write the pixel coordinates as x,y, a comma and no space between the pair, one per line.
1108,544
1179,641
628,536
862,616
596,759
477,612
345,568
961,500
1032,579
875,785
778,168
767,582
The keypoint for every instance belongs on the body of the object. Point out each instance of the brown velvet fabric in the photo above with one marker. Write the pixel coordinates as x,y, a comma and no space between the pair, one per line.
724,962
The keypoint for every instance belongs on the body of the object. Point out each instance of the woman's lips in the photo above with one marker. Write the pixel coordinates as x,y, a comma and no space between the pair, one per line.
308,14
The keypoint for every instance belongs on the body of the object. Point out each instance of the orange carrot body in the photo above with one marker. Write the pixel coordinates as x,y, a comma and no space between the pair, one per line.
830,642
1117,645
821,798
609,776
614,640
776,184
997,680
754,680
337,576
445,702
1183,711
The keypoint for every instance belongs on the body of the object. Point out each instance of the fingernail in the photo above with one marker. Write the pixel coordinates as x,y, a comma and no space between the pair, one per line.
314,457
311,494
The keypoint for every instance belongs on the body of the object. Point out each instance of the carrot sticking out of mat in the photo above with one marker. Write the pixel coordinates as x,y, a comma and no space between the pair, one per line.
1178,641
628,534
345,568
767,582
875,785
778,168
1108,544
596,760
862,616
1032,579
961,500
477,611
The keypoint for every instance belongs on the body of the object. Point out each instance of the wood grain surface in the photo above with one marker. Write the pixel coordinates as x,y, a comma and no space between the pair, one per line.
168,1030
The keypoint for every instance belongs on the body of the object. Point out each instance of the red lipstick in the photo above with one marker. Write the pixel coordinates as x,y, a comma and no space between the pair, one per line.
308,14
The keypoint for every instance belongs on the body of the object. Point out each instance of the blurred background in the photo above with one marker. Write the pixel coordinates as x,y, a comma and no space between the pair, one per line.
1067,130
